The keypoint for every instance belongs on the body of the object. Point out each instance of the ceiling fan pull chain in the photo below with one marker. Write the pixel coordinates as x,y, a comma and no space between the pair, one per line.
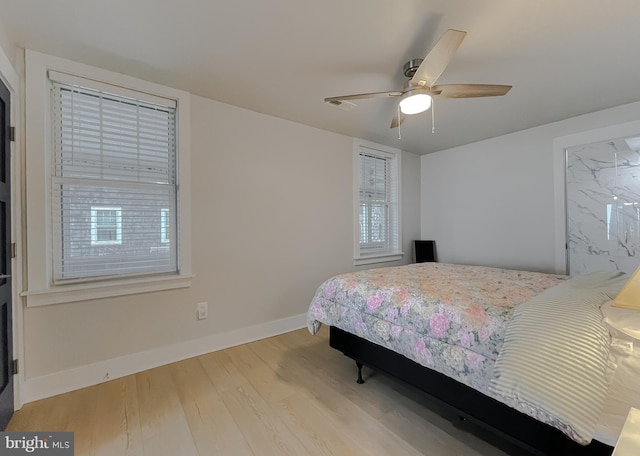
433,117
399,124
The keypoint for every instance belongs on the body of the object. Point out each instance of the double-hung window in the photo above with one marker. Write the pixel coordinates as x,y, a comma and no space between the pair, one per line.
106,154
114,169
377,198
106,225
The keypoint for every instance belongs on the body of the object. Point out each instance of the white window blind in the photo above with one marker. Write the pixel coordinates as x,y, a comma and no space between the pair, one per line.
378,194
114,172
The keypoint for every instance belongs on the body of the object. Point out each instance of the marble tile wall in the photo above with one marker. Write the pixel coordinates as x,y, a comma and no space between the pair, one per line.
603,207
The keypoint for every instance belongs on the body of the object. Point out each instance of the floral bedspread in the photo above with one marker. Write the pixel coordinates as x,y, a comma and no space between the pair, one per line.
450,318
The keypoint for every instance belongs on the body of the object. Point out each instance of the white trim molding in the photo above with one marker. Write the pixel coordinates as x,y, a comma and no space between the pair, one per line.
393,158
92,374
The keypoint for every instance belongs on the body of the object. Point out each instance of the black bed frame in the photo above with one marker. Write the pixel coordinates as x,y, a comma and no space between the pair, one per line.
467,403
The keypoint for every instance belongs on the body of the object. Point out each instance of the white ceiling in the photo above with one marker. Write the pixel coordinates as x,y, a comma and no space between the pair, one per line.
283,57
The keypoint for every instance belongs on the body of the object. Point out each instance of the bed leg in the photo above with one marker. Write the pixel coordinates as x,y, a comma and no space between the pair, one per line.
360,381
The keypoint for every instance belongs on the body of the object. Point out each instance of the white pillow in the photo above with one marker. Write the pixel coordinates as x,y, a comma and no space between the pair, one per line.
629,296
621,320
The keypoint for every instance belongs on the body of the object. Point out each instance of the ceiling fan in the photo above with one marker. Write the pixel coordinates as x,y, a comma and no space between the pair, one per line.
416,95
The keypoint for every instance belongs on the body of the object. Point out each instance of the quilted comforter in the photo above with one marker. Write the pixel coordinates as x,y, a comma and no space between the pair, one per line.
451,318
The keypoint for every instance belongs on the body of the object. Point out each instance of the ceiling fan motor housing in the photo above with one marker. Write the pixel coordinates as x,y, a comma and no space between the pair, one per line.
411,67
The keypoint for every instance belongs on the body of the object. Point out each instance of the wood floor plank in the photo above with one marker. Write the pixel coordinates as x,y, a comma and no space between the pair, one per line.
213,428
317,430
286,395
117,427
331,367
165,431
264,431
71,412
399,407
262,428
353,420
266,380
25,419
222,373
292,404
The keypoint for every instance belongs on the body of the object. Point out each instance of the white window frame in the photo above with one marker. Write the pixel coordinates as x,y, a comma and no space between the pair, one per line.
95,228
42,290
394,251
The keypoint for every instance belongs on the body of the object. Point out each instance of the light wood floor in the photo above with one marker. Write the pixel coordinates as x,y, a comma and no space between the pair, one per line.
286,395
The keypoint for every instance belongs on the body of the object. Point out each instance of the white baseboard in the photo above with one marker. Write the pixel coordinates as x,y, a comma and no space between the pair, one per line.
91,374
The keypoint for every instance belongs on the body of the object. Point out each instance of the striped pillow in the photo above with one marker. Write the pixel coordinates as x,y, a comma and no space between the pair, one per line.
553,363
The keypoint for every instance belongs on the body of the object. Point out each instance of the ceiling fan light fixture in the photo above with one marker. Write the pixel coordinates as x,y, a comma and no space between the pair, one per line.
414,102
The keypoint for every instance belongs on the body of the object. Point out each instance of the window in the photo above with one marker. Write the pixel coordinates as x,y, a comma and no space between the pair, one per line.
377,197
165,227
114,150
107,153
106,225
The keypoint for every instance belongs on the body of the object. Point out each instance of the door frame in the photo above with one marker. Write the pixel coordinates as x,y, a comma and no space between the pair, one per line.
560,146
10,78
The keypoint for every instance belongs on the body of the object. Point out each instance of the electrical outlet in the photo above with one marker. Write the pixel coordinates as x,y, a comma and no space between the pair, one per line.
202,310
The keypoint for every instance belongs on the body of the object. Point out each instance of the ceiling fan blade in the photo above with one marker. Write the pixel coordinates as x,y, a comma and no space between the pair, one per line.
470,90
359,96
398,119
438,58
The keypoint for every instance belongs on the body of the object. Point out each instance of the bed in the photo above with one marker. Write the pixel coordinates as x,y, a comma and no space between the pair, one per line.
515,352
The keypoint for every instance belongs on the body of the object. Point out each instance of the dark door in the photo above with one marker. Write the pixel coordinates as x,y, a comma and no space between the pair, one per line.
6,338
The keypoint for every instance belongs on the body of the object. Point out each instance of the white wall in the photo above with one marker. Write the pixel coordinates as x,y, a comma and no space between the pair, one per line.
410,203
494,203
7,47
271,219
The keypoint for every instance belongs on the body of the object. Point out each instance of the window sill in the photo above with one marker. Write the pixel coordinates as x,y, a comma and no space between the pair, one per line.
378,258
82,292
